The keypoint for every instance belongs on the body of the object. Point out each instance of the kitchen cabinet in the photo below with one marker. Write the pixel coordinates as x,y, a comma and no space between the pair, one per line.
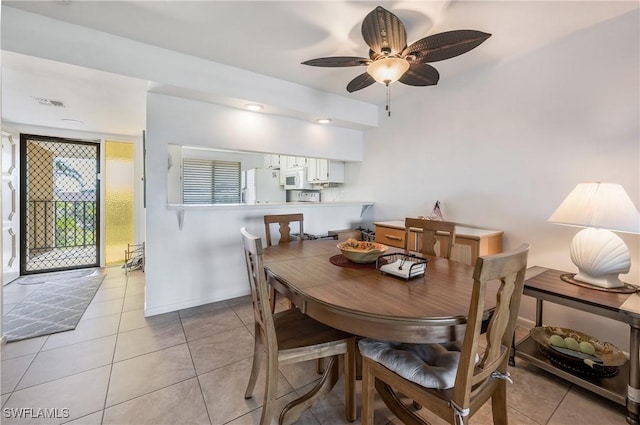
325,171
272,161
293,162
469,245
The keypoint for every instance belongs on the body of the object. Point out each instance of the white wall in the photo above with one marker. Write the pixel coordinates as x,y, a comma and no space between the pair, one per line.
203,262
501,148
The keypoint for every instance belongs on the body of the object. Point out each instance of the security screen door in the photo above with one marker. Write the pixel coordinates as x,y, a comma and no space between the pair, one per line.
60,204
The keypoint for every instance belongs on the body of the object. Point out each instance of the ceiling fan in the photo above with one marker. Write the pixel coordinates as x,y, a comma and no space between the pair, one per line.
390,59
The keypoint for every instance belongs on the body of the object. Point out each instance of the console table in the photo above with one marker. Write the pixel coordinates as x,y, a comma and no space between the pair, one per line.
470,242
624,388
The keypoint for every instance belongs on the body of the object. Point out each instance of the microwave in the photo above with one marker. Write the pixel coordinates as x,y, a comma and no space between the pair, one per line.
296,179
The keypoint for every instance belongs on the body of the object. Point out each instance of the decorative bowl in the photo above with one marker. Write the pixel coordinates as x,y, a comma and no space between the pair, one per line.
361,251
605,351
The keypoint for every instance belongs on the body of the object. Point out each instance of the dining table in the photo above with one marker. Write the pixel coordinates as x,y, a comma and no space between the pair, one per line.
360,299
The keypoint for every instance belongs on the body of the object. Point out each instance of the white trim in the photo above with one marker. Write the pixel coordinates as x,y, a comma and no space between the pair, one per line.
227,295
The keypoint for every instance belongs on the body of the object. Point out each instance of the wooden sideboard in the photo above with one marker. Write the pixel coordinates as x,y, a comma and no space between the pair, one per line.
470,242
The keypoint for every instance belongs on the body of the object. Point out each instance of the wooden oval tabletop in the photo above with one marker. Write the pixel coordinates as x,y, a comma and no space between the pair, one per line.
431,308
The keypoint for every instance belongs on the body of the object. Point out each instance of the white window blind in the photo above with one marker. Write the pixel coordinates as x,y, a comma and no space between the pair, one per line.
206,181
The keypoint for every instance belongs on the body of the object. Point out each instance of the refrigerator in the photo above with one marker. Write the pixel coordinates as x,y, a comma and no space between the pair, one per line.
262,186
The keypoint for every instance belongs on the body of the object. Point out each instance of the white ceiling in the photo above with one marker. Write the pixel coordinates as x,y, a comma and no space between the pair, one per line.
270,38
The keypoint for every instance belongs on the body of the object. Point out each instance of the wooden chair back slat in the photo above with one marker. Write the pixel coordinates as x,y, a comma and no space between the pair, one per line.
284,221
429,230
506,270
260,293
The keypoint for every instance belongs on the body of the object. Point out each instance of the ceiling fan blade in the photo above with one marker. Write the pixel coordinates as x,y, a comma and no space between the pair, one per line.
338,61
445,45
420,74
382,29
360,82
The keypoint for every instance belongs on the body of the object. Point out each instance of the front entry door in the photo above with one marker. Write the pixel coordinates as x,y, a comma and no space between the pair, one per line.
10,205
59,204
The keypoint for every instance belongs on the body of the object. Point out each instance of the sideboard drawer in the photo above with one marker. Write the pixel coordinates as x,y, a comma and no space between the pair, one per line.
391,237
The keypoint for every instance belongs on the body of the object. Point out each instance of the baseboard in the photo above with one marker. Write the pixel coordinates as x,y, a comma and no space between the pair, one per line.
194,303
525,323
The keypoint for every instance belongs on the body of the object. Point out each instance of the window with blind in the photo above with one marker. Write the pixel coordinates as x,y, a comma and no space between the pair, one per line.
206,181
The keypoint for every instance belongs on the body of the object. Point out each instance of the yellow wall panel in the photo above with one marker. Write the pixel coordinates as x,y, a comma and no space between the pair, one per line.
119,213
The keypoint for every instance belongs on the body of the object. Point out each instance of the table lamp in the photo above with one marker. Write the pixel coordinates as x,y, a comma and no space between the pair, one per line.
599,254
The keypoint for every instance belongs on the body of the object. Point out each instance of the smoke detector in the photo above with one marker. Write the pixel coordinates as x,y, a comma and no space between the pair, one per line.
49,102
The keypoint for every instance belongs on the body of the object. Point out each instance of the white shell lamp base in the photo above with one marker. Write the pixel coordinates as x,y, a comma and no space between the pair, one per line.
607,281
600,256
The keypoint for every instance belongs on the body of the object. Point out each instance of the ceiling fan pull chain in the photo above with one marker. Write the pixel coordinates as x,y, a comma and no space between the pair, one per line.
388,100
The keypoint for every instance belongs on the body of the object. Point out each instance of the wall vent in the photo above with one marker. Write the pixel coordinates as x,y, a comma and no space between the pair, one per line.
49,102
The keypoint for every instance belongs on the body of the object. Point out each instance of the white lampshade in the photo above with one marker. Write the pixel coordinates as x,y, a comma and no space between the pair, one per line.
599,254
388,70
599,205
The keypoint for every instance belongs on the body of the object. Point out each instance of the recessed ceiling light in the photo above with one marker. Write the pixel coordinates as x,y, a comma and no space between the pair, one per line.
323,120
254,107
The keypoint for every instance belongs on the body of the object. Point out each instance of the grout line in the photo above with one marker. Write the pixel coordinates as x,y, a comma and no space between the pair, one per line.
83,416
558,405
195,371
113,356
147,393
60,377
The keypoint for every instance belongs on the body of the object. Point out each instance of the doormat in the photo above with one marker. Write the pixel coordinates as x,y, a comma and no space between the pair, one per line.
56,306
37,279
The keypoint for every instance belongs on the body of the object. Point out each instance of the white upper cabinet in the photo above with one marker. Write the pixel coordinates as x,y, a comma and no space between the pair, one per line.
272,161
318,170
325,171
293,162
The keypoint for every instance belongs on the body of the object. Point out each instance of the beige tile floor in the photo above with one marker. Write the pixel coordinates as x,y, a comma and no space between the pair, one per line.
191,367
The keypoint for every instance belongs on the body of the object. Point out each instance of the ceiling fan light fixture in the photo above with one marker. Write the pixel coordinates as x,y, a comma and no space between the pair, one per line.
255,107
388,70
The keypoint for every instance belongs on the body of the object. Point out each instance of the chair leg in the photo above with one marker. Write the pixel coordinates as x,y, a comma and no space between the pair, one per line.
499,404
358,361
367,393
270,390
272,298
350,381
258,352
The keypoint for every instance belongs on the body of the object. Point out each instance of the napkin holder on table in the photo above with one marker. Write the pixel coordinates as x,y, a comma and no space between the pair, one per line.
405,266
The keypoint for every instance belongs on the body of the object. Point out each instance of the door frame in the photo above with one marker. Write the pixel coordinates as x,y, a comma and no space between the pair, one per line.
11,226
23,199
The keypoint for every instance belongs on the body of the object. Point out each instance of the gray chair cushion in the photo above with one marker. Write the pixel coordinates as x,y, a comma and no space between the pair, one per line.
429,365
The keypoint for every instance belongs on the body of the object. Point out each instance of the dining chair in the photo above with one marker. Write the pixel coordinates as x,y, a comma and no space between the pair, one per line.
429,230
291,336
284,221
452,384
